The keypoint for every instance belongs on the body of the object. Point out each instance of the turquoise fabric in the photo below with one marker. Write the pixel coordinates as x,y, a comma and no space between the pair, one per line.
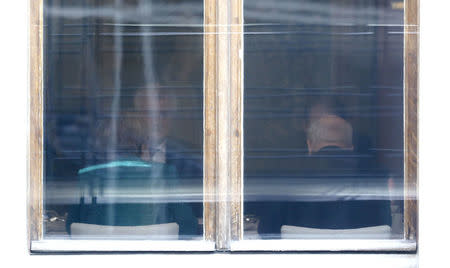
113,165
132,193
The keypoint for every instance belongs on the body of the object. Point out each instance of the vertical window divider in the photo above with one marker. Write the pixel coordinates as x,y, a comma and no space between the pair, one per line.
35,139
237,108
223,125
209,170
411,40
223,122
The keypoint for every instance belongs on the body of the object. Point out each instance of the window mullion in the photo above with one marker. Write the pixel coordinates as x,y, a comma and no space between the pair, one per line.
35,161
237,88
223,116
411,45
223,124
209,42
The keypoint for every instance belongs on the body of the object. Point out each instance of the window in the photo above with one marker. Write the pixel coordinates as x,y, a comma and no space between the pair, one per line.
192,125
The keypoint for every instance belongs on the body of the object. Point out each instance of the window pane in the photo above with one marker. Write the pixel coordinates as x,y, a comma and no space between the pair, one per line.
123,119
323,119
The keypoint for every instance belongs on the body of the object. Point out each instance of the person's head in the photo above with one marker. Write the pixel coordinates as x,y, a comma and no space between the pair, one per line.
329,130
122,136
154,107
319,108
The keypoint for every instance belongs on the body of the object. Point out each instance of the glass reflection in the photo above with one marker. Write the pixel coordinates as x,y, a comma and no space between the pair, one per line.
123,119
323,119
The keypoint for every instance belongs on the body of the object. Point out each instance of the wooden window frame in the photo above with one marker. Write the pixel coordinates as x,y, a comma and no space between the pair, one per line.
223,142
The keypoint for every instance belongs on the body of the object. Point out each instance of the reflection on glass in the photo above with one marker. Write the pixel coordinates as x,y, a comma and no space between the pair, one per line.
323,108
123,119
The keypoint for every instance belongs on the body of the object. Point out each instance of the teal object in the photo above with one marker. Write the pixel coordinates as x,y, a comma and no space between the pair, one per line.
114,164
131,192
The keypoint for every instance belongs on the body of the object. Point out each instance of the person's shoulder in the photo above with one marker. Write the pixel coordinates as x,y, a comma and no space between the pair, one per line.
176,146
186,157
333,150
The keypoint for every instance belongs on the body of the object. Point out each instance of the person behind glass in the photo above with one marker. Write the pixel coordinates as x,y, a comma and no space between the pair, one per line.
333,161
361,143
158,106
329,132
158,110
125,165
273,214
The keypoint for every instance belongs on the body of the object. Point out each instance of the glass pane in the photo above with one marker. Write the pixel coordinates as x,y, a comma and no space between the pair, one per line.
323,119
123,119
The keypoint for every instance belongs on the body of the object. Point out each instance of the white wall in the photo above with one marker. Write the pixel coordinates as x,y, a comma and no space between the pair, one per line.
434,159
